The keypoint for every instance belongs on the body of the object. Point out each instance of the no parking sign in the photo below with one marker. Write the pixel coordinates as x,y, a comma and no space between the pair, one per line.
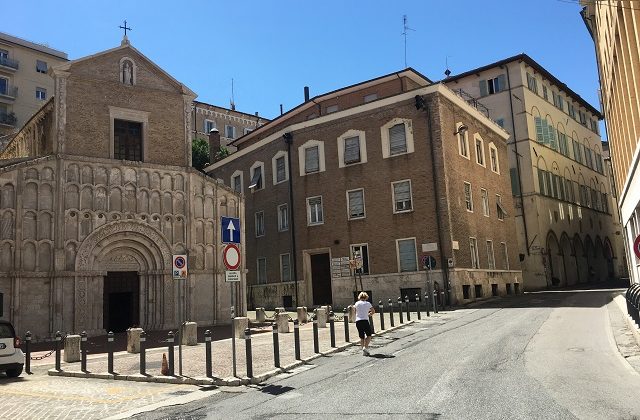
636,247
179,267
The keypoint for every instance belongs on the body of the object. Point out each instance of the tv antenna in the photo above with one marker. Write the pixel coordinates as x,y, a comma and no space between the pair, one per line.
233,101
405,26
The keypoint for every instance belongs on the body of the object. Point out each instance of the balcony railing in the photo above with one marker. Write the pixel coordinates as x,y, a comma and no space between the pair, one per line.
472,101
9,91
8,118
9,62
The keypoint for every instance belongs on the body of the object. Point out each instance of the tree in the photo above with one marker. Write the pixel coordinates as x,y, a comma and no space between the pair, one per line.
200,154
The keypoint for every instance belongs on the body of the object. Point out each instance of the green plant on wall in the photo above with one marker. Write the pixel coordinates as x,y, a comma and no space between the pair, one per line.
222,153
200,154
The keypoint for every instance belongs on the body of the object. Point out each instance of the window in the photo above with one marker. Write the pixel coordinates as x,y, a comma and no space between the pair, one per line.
397,137
583,118
41,66
314,211
587,157
311,160
473,247
259,224
505,255
283,217
246,130
499,208
311,157
331,109
491,260
515,181
257,177
532,83
479,149
545,132
402,196
41,93
491,86
577,151
468,196
485,201
545,93
4,54
558,101
262,270
208,126
370,97
562,144
598,160
542,181
493,156
355,201
407,258
572,110
4,86
352,150
127,140
361,252
280,167
236,181
285,267
230,131
397,140
500,122
463,141
605,203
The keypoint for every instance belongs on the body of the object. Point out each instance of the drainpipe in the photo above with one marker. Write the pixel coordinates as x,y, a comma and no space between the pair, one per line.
515,145
421,103
288,139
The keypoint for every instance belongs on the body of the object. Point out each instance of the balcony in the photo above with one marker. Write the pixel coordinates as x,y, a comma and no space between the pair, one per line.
9,63
8,118
8,91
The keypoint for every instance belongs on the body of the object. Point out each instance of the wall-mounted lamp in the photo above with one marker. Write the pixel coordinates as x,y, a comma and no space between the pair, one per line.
461,129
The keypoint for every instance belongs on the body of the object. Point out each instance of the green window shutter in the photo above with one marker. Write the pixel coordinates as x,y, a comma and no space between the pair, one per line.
515,185
502,83
483,88
539,132
541,181
552,138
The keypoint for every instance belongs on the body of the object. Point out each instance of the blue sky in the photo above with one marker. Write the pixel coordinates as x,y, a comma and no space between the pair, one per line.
272,49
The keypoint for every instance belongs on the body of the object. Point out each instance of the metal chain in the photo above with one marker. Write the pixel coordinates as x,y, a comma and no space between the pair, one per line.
50,352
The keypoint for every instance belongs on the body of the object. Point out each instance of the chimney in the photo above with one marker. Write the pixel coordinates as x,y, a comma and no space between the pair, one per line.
306,93
214,144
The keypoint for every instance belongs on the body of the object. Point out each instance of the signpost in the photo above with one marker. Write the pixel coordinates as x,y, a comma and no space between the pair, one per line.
180,273
429,263
231,259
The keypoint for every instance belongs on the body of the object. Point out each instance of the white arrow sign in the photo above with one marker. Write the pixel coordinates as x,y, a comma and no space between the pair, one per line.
231,228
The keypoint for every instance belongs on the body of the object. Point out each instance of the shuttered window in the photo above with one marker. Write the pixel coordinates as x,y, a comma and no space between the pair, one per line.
491,260
577,152
262,270
259,224
237,183
280,169
468,198
285,267
256,178
314,210
473,247
485,201
407,255
402,196
283,217
356,204
311,160
397,140
352,150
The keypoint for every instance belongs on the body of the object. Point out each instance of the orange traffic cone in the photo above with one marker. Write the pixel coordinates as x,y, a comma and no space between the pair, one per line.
165,366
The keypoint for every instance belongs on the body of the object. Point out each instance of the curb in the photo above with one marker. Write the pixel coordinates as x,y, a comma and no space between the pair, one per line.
183,380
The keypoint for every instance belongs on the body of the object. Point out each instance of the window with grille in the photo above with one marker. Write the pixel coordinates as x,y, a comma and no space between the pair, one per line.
259,224
314,210
283,217
351,150
127,138
407,255
262,270
397,140
468,196
402,196
285,267
311,159
356,203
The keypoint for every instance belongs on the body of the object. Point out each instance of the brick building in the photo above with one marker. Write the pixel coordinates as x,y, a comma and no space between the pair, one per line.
380,172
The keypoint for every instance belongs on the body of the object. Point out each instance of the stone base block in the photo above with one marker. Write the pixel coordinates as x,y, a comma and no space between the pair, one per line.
280,309
239,325
321,316
303,315
133,340
261,316
352,314
72,348
282,321
190,334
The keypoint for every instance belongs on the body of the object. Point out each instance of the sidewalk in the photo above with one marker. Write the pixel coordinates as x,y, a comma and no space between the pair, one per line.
127,365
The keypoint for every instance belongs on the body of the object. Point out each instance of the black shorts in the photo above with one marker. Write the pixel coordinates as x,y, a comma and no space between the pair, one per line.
363,328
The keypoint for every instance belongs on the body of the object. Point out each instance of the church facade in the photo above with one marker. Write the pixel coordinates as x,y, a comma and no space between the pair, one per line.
97,194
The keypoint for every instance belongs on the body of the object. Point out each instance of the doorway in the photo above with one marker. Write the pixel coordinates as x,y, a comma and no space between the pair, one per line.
321,279
121,297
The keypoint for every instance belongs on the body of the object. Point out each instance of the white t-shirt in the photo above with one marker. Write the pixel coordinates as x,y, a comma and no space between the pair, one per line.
362,310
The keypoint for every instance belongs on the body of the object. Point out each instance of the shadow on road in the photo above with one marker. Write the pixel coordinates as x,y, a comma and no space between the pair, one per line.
381,356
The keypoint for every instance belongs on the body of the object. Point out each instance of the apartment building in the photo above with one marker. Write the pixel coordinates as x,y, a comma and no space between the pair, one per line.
24,83
614,27
352,189
568,231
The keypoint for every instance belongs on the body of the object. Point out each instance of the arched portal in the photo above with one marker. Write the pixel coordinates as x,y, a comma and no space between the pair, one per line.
581,260
569,258
123,278
556,265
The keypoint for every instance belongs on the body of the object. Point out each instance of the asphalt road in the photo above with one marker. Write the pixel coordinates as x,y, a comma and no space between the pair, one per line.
538,356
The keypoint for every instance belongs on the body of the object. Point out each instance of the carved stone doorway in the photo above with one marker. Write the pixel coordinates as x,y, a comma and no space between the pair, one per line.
121,300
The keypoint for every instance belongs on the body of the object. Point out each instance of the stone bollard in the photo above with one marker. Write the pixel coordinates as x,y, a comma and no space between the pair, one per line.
352,314
321,316
280,310
241,323
133,340
190,334
303,315
282,321
261,315
72,348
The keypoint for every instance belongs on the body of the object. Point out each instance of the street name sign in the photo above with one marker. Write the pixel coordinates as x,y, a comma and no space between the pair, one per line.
230,230
232,276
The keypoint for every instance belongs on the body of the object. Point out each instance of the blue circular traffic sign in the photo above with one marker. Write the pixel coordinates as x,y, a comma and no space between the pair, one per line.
180,262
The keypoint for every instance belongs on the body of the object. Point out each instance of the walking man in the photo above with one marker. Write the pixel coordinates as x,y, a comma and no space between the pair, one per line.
363,310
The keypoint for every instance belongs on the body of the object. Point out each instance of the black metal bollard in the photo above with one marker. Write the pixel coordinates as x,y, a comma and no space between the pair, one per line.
110,339
143,353
400,310
418,307
406,301
83,351
58,342
247,347
170,339
296,338
276,347
332,329
391,313
426,302
207,355
381,310
316,345
435,301
346,325
27,350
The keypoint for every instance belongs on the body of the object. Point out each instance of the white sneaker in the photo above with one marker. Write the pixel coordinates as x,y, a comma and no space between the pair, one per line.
365,352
